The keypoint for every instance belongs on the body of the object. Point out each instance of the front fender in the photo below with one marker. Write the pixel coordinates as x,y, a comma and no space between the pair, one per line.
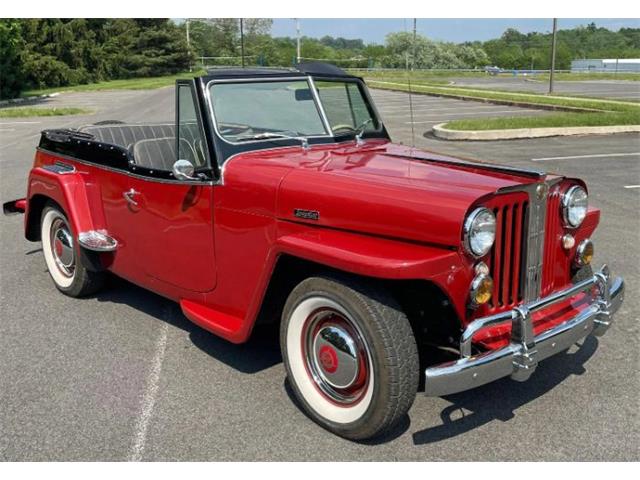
366,255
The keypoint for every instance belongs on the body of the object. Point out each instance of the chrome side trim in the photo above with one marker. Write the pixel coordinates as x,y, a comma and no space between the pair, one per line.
520,358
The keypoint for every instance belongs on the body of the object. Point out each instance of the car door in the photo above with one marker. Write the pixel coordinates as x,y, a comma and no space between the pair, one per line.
171,219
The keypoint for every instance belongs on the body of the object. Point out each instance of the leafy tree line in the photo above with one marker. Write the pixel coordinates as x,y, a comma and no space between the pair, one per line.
532,50
513,50
38,53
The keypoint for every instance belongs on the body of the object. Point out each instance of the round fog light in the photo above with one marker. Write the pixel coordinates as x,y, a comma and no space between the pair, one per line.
481,289
584,253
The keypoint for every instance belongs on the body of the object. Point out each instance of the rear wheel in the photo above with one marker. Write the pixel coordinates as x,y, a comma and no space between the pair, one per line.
61,254
350,355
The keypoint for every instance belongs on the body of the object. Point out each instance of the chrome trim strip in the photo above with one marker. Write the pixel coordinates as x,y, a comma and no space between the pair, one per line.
123,172
520,358
319,106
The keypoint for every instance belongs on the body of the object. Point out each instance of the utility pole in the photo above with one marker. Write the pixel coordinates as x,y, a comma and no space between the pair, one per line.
242,41
188,44
413,60
553,55
298,56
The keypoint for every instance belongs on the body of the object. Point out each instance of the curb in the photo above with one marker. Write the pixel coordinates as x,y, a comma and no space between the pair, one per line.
515,133
14,101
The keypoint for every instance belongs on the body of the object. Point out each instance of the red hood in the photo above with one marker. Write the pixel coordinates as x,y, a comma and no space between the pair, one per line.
383,191
380,189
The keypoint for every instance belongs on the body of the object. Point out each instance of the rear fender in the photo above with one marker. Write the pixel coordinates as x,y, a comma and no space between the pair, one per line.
72,191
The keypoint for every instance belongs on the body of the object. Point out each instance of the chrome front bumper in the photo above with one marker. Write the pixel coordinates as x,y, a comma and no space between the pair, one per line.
520,357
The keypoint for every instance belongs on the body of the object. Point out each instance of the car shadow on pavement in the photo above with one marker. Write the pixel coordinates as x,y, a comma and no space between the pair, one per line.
262,351
500,399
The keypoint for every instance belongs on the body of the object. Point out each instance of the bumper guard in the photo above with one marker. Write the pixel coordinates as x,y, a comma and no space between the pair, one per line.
520,358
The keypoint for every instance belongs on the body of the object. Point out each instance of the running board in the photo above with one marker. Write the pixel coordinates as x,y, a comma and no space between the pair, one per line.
222,324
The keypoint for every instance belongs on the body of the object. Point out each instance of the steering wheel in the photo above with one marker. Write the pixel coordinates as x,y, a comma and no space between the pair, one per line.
233,128
342,126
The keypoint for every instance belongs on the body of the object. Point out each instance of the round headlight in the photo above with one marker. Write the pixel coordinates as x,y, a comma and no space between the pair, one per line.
479,231
574,206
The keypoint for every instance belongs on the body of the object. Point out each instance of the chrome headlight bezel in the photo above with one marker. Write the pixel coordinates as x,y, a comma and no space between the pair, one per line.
470,229
567,201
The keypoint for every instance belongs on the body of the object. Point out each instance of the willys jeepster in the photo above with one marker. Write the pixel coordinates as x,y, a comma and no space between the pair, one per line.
277,196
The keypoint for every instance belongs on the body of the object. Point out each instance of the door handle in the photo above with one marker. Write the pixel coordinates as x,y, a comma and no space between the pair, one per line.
128,196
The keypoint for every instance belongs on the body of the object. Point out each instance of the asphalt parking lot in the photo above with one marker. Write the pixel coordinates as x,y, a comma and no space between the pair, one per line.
610,89
124,376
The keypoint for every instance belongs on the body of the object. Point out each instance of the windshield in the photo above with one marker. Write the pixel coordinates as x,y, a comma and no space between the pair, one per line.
243,110
346,107
252,111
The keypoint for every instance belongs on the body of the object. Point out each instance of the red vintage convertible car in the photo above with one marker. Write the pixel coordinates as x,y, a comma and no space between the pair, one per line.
277,196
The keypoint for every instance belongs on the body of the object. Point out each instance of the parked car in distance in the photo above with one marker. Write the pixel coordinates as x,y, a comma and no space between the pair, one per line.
278,197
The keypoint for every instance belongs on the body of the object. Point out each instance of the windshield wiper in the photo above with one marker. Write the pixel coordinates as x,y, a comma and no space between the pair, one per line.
265,135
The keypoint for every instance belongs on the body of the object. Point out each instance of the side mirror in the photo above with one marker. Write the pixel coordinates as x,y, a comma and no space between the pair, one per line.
184,170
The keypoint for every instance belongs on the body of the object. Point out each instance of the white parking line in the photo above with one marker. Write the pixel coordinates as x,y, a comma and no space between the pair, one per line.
149,398
19,123
597,155
632,186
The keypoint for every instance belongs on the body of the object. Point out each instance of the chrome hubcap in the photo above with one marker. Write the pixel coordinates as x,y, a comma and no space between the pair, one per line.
62,247
336,356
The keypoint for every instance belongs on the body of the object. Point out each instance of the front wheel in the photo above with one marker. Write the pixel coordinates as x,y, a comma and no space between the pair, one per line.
350,356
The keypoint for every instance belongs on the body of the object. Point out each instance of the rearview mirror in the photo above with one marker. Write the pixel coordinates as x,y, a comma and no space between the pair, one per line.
303,94
184,170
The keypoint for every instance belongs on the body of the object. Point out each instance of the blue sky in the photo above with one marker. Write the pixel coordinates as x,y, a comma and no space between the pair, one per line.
451,30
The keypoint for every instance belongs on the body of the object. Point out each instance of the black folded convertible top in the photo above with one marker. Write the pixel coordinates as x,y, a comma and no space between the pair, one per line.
300,70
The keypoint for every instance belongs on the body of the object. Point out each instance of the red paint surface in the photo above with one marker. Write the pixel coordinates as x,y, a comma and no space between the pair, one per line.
213,248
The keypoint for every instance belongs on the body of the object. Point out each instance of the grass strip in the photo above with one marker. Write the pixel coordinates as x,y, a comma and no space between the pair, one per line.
19,112
556,120
123,84
398,84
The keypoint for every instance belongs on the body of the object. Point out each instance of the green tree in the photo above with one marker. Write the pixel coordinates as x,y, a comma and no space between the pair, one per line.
11,52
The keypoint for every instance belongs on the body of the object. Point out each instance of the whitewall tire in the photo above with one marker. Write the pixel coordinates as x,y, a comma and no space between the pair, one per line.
62,255
350,355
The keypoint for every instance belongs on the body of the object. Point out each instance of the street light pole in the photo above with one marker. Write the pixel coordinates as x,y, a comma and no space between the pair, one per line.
188,44
298,56
553,55
242,41
413,54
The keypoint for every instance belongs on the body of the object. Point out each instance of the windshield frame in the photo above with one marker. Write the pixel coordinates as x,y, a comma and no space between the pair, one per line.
309,79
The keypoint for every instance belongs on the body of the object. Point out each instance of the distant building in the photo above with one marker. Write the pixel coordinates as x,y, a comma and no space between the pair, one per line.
607,65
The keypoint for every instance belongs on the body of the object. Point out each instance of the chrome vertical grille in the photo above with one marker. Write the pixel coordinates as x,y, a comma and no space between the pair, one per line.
518,256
